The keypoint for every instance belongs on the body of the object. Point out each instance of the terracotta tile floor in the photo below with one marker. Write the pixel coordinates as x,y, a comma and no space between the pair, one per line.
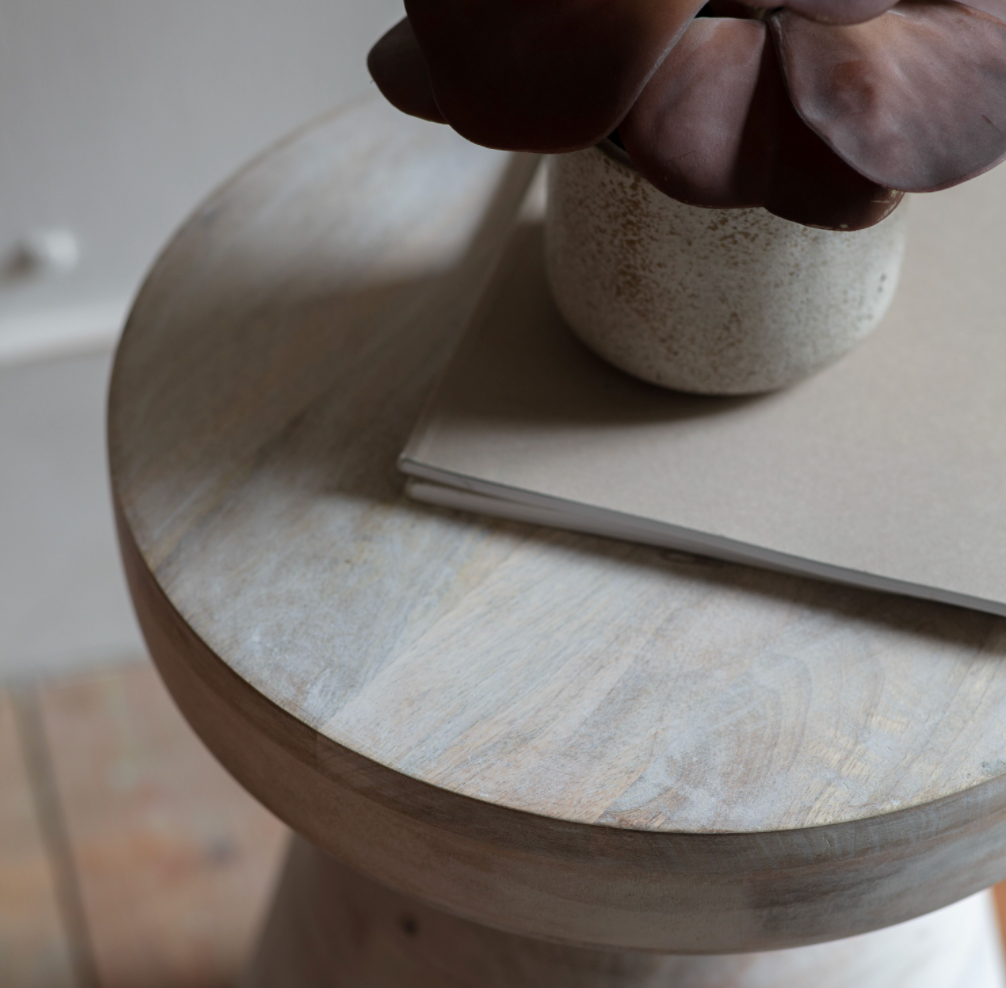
128,857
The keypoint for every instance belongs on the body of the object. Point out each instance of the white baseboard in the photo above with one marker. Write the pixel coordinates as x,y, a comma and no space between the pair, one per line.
62,332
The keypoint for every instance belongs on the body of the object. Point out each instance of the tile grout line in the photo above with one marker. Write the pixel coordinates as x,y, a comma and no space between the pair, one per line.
55,834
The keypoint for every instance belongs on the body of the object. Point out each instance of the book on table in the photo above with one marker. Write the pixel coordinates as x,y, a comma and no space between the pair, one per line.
887,470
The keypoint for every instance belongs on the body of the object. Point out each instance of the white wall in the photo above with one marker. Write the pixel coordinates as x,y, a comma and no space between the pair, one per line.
116,117
63,602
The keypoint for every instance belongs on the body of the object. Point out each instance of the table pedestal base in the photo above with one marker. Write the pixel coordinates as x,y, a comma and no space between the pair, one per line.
332,928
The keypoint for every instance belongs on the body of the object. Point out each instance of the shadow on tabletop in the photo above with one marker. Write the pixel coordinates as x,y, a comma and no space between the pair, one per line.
340,375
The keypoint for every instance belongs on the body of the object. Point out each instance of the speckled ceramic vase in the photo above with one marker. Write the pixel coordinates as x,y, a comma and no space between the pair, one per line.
713,301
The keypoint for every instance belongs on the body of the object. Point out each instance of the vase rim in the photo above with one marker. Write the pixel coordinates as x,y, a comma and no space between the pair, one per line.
609,148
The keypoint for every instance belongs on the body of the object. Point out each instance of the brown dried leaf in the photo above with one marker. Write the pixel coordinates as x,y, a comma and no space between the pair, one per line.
703,128
715,127
543,75
914,100
397,65
831,11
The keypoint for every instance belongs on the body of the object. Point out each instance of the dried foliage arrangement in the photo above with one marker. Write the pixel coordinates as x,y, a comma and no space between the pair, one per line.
825,112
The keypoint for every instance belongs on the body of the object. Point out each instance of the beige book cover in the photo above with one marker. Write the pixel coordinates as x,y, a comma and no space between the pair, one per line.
887,470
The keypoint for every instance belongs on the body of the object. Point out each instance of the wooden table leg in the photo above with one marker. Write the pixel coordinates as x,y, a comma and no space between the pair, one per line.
332,928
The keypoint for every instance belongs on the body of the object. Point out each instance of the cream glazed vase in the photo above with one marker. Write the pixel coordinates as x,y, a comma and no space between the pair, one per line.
711,301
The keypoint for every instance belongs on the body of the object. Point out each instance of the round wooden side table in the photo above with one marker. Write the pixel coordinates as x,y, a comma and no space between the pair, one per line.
515,756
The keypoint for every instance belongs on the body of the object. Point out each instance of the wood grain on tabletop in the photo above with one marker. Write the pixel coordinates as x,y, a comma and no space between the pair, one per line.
34,950
544,731
174,860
